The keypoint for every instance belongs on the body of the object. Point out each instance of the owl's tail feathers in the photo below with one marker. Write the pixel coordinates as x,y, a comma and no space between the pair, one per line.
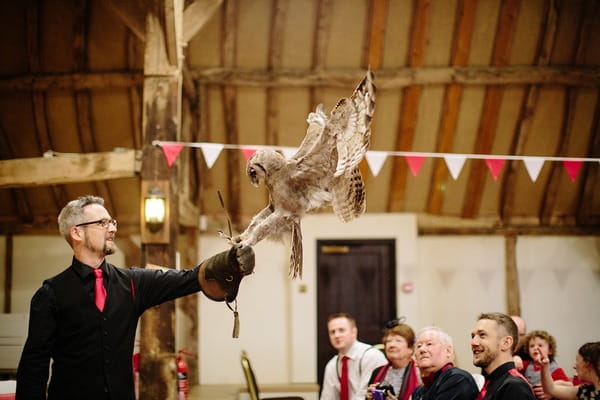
296,253
349,196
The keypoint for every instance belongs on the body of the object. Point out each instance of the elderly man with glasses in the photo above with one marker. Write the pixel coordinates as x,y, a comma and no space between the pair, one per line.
84,319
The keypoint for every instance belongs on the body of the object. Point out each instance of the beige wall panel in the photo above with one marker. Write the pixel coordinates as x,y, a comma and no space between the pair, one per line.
569,22
204,50
16,120
397,33
299,34
107,48
57,53
440,33
346,40
528,33
111,119
293,111
253,33
484,31
62,122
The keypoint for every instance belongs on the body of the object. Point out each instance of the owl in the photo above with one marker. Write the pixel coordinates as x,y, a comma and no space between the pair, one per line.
322,173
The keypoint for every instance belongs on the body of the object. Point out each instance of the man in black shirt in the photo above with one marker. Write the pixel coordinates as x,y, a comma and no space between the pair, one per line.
493,341
441,379
84,319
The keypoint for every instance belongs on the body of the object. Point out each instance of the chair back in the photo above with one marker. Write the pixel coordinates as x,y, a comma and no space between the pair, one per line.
250,379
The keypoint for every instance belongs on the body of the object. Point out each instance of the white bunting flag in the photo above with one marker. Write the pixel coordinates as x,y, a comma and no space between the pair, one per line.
211,152
455,164
534,166
375,159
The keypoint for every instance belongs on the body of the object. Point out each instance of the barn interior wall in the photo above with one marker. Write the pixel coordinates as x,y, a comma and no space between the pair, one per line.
455,278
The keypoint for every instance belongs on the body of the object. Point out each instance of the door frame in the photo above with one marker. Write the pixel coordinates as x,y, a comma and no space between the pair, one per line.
303,292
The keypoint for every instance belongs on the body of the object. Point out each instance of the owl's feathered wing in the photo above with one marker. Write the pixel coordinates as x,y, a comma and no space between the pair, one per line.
322,172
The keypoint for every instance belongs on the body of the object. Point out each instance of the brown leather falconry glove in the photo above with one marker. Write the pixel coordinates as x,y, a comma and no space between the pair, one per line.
228,268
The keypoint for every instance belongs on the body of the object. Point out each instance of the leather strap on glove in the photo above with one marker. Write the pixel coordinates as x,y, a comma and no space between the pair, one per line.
229,267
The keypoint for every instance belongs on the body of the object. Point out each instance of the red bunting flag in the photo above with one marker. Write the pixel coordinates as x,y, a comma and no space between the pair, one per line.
495,166
572,168
171,152
248,152
415,163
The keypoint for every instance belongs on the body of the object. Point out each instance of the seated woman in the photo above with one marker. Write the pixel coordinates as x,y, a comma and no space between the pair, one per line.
541,342
587,365
400,373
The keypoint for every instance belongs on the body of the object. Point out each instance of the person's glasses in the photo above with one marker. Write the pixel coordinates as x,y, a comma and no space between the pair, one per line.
395,322
104,223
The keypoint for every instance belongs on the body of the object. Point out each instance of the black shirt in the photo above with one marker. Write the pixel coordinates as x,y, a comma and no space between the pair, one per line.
448,384
505,382
91,350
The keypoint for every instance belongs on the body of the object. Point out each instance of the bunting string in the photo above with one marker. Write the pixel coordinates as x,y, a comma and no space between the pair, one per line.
376,158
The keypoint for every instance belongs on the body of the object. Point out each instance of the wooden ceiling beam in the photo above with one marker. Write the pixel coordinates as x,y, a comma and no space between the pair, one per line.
578,76
527,112
172,26
132,13
196,15
463,33
276,39
68,168
19,199
321,36
409,107
507,22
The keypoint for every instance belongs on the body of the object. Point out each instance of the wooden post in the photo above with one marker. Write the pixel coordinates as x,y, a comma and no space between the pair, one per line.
161,121
513,294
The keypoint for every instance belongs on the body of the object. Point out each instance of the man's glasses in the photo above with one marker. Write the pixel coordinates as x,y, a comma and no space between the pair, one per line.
104,223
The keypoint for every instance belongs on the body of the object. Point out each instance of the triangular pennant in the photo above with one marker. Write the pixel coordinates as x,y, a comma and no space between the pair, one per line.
288,152
495,166
446,275
486,277
248,151
455,164
572,168
211,152
533,166
415,163
375,159
171,152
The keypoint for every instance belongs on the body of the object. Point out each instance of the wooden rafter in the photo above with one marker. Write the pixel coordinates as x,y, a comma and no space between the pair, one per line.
465,18
580,76
321,35
18,195
527,112
506,27
229,37
196,15
170,29
552,186
410,104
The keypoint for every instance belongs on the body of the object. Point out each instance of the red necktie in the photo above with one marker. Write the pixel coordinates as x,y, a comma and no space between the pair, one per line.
483,390
344,380
99,290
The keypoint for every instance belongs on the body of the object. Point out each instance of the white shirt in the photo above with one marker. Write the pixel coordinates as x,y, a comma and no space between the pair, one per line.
363,359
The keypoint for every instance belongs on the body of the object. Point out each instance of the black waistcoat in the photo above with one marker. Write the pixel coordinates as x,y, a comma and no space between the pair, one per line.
92,352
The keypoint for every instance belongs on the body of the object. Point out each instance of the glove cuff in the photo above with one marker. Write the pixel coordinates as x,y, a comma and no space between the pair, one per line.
224,269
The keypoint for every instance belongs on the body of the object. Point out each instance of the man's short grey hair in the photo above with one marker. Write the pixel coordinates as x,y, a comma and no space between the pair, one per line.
72,214
442,336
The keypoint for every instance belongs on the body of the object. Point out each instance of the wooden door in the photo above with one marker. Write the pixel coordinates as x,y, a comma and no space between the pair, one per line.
357,277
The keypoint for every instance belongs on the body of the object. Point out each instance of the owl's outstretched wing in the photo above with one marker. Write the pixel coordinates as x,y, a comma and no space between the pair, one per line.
339,142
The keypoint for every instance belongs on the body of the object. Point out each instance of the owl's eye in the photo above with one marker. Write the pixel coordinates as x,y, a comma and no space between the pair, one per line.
252,173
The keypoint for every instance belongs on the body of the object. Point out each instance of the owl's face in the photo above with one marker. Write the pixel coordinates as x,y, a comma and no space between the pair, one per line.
262,163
